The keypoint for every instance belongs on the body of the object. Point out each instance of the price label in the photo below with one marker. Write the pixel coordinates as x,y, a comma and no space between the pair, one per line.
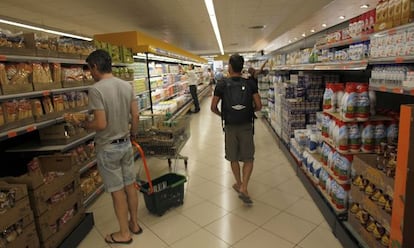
46,93
31,129
399,60
2,57
397,90
392,31
383,88
11,134
412,92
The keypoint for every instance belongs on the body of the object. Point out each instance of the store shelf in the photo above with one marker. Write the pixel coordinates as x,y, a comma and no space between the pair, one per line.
371,118
355,234
26,129
393,60
328,66
87,166
337,211
43,148
20,58
331,144
360,38
98,191
79,233
42,93
393,90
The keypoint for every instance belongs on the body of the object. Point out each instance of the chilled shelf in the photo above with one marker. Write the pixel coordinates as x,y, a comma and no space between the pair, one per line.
328,66
338,116
98,191
360,38
51,148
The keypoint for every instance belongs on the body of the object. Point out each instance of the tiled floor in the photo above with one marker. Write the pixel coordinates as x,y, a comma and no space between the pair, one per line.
283,214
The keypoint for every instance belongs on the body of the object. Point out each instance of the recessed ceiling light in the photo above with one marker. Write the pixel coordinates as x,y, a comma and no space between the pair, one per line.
364,6
303,34
290,41
324,25
295,38
312,30
342,17
257,27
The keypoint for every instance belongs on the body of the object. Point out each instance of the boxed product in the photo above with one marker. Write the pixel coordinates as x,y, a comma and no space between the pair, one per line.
15,114
407,11
364,165
14,78
72,76
382,20
22,236
60,134
14,204
54,226
42,77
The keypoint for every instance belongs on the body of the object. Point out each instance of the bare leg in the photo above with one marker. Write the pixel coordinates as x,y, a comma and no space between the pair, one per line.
119,199
235,167
132,198
247,172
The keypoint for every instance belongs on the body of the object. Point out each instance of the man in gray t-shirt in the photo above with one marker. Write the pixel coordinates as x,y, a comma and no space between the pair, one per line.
114,106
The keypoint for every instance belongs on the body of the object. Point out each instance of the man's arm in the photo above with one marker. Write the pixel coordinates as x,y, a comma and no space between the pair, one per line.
214,105
134,116
257,102
98,123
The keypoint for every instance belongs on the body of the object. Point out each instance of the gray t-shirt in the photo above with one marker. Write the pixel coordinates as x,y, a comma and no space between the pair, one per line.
114,96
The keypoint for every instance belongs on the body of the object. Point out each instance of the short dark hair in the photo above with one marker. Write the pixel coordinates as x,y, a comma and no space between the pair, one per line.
236,61
101,59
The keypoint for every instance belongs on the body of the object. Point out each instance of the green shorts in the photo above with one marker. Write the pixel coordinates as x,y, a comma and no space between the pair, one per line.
239,144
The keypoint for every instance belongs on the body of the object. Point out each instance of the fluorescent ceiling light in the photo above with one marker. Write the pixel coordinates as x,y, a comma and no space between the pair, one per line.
342,17
312,30
364,6
212,14
303,35
44,30
324,25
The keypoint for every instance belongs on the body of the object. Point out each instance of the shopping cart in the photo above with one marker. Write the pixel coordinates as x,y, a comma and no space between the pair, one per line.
165,139
163,192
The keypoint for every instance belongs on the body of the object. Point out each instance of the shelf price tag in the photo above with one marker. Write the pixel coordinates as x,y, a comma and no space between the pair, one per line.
46,93
11,134
31,129
3,58
412,92
399,60
383,88
397,91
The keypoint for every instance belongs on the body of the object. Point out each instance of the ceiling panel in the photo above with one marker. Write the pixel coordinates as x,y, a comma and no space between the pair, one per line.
185,23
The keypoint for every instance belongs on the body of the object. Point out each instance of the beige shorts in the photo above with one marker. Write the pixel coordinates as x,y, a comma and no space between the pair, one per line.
239,144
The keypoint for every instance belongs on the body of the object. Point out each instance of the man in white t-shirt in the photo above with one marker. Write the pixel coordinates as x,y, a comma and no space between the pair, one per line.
193,82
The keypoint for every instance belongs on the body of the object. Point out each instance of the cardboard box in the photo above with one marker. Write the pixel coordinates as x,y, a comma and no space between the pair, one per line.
71,84
9,89
48,238
47,86
365,235
59,135
364,165
371,207
27,239
13,215
20,189
34,179
39,197
407,11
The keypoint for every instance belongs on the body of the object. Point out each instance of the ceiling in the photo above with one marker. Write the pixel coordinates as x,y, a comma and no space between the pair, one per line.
185,23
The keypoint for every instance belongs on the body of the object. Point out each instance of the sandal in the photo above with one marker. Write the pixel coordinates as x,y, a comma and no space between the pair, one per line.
245,198
236,188
137,232
114,241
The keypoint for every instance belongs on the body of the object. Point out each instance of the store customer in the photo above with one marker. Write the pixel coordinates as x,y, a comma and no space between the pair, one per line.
114,105
193,82
238,122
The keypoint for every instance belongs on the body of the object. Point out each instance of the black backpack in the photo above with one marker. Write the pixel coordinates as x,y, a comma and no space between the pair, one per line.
237,101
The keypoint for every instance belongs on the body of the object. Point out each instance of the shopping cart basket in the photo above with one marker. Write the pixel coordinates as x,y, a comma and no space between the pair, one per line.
165,139
162,193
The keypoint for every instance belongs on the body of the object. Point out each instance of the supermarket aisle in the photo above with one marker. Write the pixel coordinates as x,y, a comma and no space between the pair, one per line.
283,214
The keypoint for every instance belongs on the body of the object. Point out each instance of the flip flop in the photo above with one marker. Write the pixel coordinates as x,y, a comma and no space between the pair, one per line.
236,188
114,241
137,232
245,198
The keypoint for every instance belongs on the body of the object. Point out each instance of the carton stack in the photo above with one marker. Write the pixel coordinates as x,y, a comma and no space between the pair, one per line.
55,197
17,228
371,196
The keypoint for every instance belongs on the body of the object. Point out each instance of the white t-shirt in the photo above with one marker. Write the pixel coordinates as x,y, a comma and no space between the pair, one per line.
192,77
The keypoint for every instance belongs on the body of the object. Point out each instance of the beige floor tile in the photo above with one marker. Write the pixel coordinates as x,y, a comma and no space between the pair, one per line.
231,228
258,214
227,200
204,213
210,173
194,180
325,225
104,214
256,188
263,239
103,200
93,239
150,219
174,228
200,239
227,179
294,186
190,200
289,227
278,199
320,237
207,190
306,210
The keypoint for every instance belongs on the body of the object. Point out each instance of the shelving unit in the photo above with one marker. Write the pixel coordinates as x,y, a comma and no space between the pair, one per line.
98,191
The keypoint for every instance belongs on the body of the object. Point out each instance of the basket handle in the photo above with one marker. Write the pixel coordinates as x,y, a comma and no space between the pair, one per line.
144,160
